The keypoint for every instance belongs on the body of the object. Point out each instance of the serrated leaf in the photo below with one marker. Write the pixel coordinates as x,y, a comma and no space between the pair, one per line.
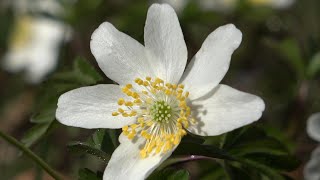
85,148
87,174
35,133
103,139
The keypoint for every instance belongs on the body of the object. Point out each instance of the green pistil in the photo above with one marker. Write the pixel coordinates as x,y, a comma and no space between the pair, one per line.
161,111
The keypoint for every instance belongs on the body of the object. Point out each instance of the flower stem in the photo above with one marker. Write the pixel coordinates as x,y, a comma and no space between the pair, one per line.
31,155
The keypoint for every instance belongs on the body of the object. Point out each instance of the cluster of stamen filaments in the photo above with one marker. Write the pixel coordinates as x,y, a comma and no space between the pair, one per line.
162,114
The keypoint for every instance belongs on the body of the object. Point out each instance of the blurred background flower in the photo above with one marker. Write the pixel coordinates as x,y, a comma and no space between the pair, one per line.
312,168
34,46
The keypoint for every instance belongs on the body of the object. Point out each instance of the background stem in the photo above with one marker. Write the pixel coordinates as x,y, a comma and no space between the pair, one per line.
31,155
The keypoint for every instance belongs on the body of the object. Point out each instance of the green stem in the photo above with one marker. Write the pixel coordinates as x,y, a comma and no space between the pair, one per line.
31,155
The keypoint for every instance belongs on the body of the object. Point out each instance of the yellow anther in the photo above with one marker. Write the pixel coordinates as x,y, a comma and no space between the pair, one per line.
131,135
134,126
148,78
133,113
129,86
150,148
158,149
115,113
135,95
174,86
124,89
145,83
181,86
125,114
126,133
120,110
128,103
137,101
137,80
176,140
143,153
167,146
143,133
125,128
168,85
187,94
129,93
121,101
168,92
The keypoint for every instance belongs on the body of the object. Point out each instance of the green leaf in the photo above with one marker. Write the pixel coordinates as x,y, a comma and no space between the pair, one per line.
47,115
34,134
270,173
104,140
277,162
82,74
170,174
87,174
314,66
201,149
290,49
84,148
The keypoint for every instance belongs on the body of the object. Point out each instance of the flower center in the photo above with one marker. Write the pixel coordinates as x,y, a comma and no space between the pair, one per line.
162,114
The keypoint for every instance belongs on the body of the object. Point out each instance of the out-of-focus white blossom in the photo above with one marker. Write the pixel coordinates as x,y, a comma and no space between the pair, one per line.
34,46
312,168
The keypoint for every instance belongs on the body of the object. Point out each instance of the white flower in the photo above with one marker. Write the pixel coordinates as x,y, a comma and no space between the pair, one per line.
52,7
34,46
312,168
163,101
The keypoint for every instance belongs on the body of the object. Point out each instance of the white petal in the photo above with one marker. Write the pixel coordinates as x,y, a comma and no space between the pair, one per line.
119,56
91,107
164,43
313,126
210,64
225,109
312,168
126,163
